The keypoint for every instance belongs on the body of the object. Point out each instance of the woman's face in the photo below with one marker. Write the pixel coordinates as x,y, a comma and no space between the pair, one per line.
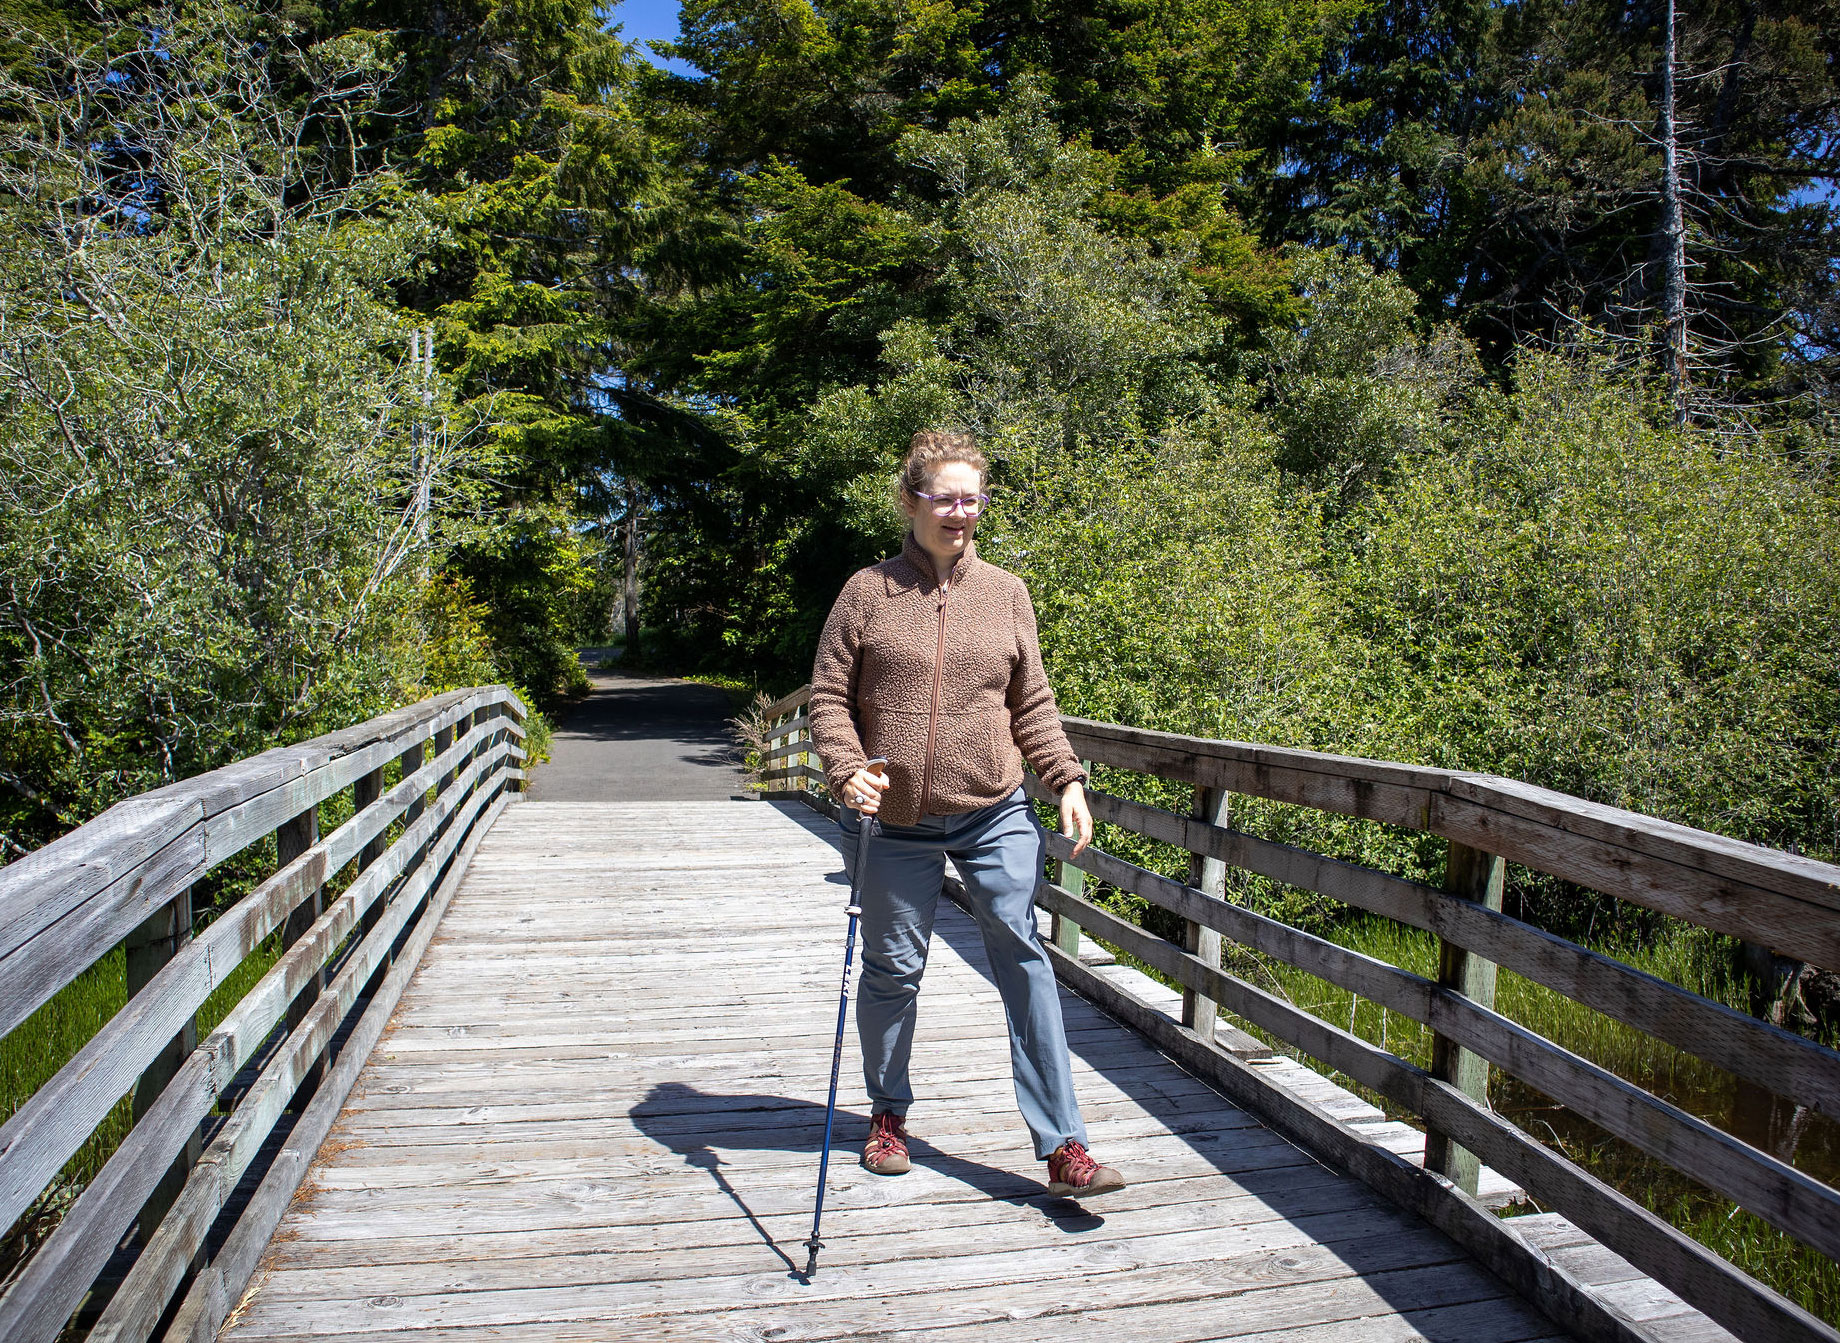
944,538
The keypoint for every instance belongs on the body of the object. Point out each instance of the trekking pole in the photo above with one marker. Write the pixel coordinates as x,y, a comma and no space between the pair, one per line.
866,824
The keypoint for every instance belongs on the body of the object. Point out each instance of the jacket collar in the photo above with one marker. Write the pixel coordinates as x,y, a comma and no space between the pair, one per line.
922,563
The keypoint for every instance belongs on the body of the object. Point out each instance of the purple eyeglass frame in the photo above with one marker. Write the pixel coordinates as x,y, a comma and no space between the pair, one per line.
958,501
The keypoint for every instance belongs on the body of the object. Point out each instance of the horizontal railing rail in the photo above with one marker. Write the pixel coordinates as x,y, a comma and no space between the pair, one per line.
1784,902
789,765
228,1122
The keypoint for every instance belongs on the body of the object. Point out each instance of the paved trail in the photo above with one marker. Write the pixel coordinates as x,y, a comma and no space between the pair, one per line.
643,739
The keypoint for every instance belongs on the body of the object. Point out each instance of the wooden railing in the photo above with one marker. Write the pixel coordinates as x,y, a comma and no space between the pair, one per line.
165,1236
1789,904
789,767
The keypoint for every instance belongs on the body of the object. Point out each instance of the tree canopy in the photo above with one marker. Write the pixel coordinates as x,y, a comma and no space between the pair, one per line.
352,346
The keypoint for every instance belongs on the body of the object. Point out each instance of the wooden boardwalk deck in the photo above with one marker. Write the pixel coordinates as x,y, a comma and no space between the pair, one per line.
596,1115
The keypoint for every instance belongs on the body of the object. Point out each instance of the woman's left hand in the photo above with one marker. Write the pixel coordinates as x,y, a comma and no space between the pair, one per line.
1076,820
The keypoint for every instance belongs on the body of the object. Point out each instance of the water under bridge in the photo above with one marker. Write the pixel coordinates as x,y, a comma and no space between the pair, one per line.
479,1056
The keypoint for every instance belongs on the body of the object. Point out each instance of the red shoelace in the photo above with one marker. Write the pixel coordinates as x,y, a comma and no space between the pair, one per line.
1072,1164
885,1137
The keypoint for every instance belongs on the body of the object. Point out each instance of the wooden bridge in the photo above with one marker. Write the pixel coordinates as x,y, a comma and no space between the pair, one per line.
454,1068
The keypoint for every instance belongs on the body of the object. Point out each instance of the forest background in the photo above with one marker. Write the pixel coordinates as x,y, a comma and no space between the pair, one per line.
1449,381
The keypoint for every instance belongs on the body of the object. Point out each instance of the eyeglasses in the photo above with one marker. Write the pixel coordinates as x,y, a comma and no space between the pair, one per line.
945,504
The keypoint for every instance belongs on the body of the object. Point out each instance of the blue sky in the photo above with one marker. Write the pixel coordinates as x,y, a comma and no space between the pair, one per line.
644,20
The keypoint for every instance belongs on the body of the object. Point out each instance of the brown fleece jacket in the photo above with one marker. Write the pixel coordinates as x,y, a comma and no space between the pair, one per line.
944,680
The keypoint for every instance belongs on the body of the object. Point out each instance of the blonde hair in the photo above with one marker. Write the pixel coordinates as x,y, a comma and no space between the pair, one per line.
930,450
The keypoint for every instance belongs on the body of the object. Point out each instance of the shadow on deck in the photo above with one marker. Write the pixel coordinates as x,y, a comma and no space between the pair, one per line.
598,1109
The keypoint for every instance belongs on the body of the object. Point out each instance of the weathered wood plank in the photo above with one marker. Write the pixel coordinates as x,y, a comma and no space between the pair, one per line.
797,726
66,905
1796,927
1056,1265
798,746
1196,1282
779,707
142,1298
1382,790
619,1193
39,1301
1200,1282
1477,877
1790,874
667,1249
215,1290
58,952
1778,1060
1710,1283
1758,1181
628,1214
48,1128
1748,892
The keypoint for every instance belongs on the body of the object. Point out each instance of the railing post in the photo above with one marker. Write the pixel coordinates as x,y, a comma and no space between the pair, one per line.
1209,876
774,738
1472,875
407,763
805,758
292,839
475,719
1063,931
442,741
149,947
517,762
364,792
501,719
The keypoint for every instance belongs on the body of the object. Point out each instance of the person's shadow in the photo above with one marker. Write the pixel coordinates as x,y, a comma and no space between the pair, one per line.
694,1124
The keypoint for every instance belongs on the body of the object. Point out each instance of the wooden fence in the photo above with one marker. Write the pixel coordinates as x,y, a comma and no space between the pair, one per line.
1788,904
167,1233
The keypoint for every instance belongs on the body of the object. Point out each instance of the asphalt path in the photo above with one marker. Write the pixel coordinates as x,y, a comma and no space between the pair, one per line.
643,739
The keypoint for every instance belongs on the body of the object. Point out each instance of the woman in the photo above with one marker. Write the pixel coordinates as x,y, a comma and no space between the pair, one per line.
930,660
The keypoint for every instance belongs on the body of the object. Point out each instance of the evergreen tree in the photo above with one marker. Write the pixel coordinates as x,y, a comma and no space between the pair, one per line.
518,121
1508,161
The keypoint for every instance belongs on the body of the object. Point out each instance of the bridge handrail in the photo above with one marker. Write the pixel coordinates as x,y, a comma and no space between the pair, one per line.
126,877
1788,903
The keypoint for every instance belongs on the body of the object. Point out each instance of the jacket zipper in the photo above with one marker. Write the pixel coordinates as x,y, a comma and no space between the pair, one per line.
932,717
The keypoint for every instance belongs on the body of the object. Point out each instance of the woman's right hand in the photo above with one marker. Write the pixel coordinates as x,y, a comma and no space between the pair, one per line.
865,788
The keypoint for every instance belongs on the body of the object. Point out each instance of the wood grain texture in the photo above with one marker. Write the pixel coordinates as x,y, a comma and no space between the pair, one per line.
68,904
797,698
797,746
39,1301
652,1178
1778,1060
143,1295
1477,877
1714,1286
48,1128
1787,1198
1781,900
205,1303
799,726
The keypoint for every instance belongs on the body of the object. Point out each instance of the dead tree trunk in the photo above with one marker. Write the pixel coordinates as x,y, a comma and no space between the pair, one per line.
1674,232
629,593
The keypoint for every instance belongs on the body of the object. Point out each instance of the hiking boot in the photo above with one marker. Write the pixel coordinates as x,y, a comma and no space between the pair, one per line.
1072,1173
886,1151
